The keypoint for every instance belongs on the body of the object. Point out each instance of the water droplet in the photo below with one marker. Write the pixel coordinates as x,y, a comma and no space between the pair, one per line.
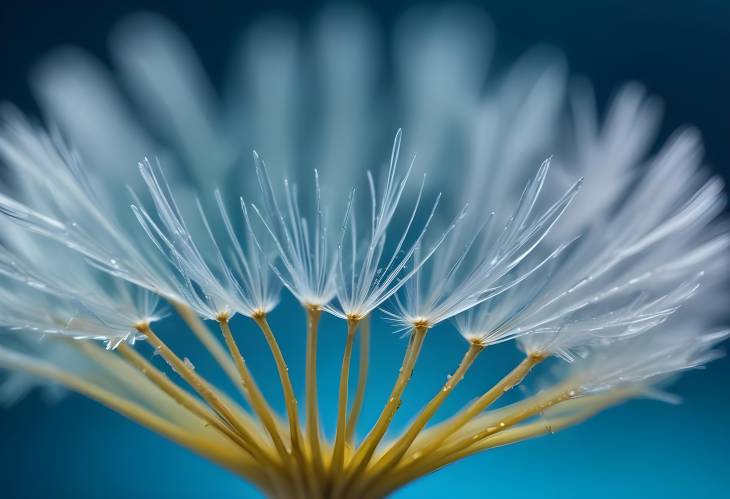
188,363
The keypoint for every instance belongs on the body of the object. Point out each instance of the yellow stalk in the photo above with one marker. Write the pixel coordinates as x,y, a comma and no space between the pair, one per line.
581,409
201,331
196,382
312,409
394,454
578,410
283,371
130,379
338,453
253,392
532,407
362,456
439,434
362,378
509,436
290,398
221,451
220,355
183,398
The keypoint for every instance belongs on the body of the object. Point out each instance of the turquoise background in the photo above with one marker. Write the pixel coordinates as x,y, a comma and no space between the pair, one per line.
77,449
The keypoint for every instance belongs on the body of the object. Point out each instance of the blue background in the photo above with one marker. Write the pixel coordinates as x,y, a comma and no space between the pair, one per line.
642,449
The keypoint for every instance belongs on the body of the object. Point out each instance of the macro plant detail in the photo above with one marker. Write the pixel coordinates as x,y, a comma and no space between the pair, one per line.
560,234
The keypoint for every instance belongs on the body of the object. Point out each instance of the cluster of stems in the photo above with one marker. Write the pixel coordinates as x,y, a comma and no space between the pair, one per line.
289,457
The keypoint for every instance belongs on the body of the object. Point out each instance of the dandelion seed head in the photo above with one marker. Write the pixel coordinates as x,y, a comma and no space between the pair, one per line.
559,228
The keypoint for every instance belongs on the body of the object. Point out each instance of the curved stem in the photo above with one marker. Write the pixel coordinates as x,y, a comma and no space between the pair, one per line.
504,420
507,422
289,396
362,378
195,381
368,446
448,428
338,453
258,402
404,442
207,339
575,411
253,392
126,376
220,451
312,408
182,397
509,436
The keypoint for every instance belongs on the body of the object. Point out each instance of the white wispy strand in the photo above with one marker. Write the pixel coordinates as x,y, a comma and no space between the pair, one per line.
47,287
365,277
648,359
462,275
305,265
207,282
606,153
100,318
74,211
630,257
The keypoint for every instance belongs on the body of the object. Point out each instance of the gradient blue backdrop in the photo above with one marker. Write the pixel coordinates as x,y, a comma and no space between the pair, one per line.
77,449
